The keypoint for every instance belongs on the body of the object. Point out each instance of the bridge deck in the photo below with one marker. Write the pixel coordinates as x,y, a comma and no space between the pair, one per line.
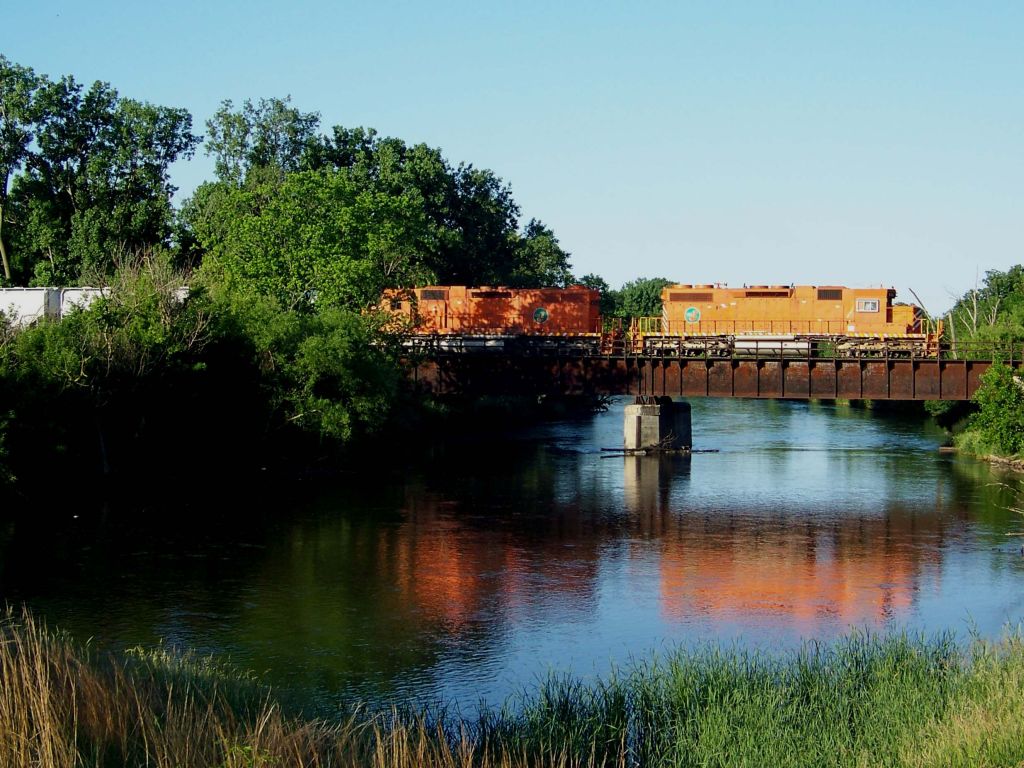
874,378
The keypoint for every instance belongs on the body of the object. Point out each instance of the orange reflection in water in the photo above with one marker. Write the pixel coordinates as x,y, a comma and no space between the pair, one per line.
801,580
797,567
438,573
452,572
800,567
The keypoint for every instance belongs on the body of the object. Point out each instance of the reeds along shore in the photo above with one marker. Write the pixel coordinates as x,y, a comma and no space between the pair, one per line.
864,701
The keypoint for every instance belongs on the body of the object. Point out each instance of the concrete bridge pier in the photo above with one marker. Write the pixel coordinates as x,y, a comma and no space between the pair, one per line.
658,423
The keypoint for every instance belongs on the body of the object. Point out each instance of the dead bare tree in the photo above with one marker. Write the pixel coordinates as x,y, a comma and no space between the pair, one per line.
928,315
952,332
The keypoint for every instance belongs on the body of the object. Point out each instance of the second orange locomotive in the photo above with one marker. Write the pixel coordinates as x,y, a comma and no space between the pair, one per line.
767,317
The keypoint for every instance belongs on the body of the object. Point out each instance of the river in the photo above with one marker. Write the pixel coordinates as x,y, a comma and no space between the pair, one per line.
481,567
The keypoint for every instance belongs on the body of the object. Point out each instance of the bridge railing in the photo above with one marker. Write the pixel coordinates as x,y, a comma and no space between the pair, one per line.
1008,351
712,348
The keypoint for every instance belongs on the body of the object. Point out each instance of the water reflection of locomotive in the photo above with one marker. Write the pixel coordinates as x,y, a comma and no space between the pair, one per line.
696,320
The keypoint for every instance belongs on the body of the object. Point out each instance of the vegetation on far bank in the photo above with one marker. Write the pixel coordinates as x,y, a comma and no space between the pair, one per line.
866,700
992,425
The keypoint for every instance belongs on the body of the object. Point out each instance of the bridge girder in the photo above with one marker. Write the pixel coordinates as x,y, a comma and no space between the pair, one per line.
788,378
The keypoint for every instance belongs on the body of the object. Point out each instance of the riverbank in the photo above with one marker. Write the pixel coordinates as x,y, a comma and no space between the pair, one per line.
865,700
972,442
1017,465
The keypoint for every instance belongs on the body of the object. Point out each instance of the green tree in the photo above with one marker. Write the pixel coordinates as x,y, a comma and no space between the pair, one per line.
472,218
540,260
18,86
609,298
642,297
485,216
95,181
315,238
990,313
343,382
1000,416
468,221
269,135
389,166
326,373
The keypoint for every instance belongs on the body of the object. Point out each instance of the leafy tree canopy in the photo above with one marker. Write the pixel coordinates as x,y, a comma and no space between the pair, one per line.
609,298
641,297
467,223
1000,416
18,87
314,239
270,134
85,172
992,312
540,259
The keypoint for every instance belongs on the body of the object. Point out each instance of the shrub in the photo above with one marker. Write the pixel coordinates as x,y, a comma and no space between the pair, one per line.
1000,418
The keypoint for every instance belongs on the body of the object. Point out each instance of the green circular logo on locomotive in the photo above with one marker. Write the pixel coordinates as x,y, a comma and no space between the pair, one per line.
692,315
540,315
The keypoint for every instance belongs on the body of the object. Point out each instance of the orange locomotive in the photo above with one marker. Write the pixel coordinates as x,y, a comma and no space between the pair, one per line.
785,318
453,316
695,320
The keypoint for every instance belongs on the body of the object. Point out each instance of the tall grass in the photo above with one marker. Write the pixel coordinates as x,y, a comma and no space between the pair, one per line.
864,701
973,442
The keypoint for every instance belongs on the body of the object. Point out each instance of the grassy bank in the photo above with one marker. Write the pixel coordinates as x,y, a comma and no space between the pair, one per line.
976,443
864,701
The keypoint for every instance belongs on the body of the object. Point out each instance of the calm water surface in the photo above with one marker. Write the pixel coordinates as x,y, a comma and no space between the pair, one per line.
488,564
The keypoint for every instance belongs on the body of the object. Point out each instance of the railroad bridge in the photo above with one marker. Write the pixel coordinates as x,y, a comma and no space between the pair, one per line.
657,420
954,373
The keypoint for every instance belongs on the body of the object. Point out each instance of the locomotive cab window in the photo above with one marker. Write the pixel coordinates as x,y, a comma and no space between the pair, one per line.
867,305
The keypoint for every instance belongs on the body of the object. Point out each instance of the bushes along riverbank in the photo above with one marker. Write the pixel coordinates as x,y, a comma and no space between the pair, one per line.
863,701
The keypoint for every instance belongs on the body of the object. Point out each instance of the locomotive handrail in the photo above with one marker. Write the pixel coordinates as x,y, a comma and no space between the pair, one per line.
717,348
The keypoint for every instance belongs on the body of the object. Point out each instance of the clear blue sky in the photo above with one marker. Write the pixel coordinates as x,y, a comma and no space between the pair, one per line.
858,143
